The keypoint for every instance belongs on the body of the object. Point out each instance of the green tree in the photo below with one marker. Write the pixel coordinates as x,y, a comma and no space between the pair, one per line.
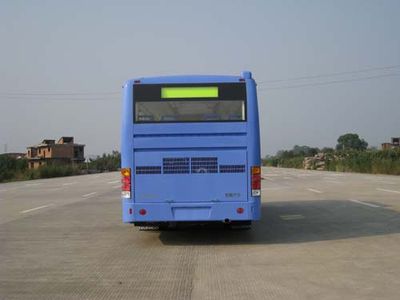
7,167
304,150
11,168
106,162
351,141
327,150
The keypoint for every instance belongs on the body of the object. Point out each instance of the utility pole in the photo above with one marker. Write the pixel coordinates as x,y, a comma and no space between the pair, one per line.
5,148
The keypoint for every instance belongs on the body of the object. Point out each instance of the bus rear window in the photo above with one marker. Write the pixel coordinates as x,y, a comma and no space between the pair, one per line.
224,102
189,111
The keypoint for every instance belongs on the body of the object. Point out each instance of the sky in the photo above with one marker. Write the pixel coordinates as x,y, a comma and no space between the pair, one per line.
323,68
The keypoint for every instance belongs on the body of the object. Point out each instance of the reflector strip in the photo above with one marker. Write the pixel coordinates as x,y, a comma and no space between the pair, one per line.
126,183
256,170
256,181
126,172
189,92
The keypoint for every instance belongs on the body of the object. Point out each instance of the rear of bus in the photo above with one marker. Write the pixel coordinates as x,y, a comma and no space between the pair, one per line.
190,150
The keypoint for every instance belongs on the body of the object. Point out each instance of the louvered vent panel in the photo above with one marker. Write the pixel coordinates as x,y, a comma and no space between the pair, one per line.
201,165
148,170
176,165
232,168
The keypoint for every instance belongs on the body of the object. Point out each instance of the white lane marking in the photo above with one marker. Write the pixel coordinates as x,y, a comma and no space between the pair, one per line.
69,183
329,178
88,195
337,175
363,203
32,184
9,190
115,181
275,188
36,208
291,217
332,181
388,191
270,179
385,182
54,189
315,191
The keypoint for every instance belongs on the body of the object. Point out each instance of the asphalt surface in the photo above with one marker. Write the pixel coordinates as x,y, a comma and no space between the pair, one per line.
322,236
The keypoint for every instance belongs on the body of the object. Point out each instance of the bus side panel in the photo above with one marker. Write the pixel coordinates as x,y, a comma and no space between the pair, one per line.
254,155
126,147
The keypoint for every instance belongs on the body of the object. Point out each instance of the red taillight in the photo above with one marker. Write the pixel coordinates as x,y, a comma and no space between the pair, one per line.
255,181
130,211
126,182
142,211
240,210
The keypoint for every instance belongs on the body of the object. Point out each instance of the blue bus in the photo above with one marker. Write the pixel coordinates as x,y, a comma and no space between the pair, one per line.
190,150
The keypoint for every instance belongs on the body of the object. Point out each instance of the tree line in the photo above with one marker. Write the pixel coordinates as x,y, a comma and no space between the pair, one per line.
351,154
12,169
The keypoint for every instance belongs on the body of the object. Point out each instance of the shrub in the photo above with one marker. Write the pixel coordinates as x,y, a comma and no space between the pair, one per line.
49,171
106,162
369,161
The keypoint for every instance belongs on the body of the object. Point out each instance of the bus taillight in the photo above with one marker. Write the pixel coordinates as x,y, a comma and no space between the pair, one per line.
126,183
255,181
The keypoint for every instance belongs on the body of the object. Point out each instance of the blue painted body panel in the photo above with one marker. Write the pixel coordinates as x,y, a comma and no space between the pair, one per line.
192,187
202,194
213,211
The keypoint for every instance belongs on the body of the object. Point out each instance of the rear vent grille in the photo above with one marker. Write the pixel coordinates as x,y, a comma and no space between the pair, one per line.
204,165
232,168
186,165
176,165
148,170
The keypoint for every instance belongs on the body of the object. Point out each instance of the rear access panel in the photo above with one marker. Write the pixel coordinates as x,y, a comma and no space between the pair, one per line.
190,176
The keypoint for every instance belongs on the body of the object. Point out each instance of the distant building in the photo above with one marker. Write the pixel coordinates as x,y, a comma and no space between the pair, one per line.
65,151
394,144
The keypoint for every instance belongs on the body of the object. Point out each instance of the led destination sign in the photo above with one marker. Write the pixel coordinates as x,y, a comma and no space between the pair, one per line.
189,92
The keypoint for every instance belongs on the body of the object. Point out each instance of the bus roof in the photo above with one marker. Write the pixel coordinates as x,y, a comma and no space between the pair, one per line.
190,79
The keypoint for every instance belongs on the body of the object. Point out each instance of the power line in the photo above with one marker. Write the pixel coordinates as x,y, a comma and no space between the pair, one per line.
59,94
107,96
331,74
57,99
11,98
329,82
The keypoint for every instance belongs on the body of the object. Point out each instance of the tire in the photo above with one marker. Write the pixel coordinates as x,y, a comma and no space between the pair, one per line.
163,226
240,225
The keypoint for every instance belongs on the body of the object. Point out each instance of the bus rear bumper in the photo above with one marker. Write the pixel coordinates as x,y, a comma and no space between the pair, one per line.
200,211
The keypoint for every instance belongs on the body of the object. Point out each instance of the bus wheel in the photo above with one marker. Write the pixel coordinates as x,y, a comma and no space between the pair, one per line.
240,225
163,226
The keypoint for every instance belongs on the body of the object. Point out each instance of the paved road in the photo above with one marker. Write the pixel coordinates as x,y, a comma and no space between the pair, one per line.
323,236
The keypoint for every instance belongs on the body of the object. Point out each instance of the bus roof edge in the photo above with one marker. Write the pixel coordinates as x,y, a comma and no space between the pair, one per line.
246,74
